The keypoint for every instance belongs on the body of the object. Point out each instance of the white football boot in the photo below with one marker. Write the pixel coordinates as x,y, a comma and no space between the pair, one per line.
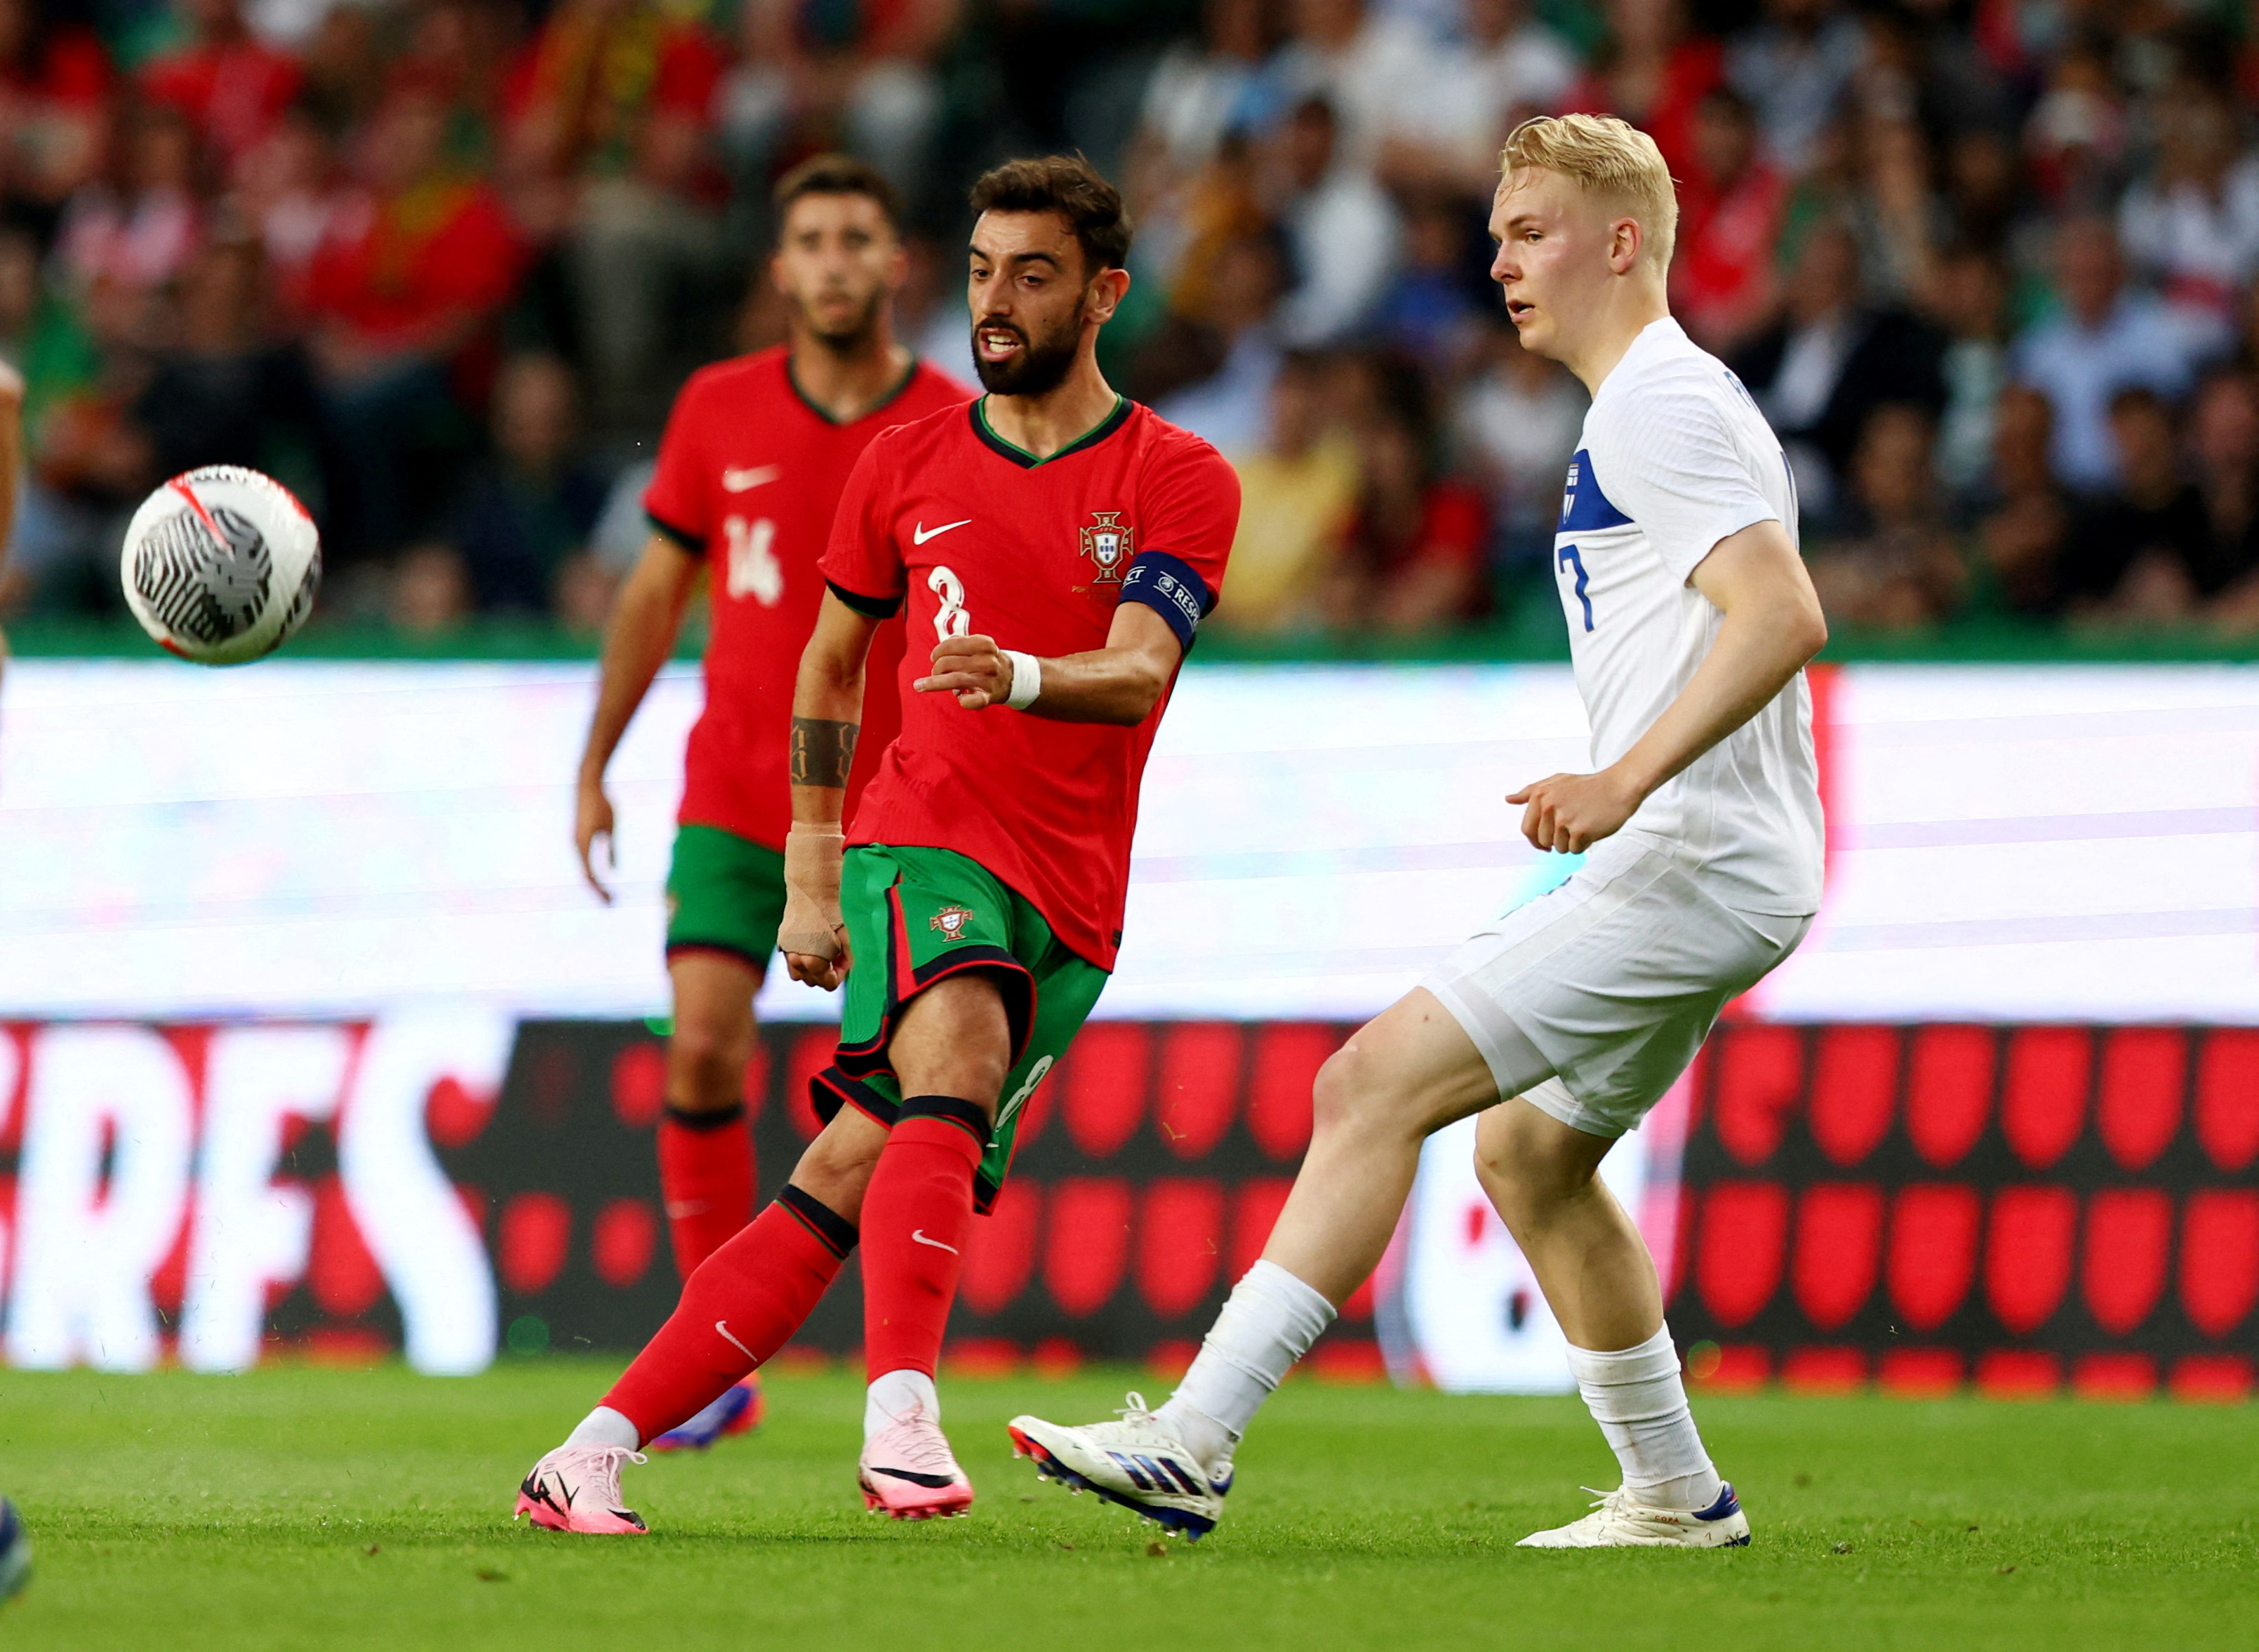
1138,1462
577,1489
1618,1523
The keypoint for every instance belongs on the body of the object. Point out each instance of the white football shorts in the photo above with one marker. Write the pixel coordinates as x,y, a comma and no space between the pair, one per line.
1615,978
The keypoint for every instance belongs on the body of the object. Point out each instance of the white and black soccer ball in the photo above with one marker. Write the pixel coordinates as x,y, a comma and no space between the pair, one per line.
221,565
14,1551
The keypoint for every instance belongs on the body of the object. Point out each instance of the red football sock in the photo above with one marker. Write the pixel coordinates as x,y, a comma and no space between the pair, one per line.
917,1219
740,1306
706,1178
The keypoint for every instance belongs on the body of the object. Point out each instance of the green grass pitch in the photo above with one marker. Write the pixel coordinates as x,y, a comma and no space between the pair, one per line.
308,1507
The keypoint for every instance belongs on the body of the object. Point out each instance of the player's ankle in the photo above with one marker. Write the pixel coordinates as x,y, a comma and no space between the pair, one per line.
605,1427
1206,1438
896,1394
1691,1491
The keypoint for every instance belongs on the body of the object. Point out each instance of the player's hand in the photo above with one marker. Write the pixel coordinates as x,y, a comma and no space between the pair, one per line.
1569,813
592,818
974,669
812,937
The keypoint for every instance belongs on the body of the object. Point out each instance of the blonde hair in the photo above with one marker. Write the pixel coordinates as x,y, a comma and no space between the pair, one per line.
1606,156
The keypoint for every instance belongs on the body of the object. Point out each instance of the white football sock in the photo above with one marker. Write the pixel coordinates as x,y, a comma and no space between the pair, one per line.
604,1426
1637,1398
894,1396
1268,1323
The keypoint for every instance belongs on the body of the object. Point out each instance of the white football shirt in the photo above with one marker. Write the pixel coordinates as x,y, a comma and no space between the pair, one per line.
1674,457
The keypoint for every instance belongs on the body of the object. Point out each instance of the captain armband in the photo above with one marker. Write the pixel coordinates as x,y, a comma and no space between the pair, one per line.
1168,586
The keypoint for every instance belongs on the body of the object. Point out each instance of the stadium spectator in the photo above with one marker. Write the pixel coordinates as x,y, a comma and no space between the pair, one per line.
289,191
1413,559
1509,66
429,592
1432,311
2223,443
526,518
1515,427
1238,340
1654,71
1831,360
1795,68
1730,208
411,267
1341,227
2103,339
54,82
1204,90
232,86
1895,568
1368,64
1298,495
2140,552
2024,514
2191,224
128,233
609,110
1971,301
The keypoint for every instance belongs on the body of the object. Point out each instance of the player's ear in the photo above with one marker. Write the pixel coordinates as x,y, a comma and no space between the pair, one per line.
1624,238
1104,295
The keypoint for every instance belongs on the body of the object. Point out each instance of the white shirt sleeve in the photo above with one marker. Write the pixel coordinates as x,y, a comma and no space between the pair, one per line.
1665,457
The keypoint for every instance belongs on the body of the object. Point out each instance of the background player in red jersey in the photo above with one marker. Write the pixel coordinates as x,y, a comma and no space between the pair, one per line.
981,900
750,472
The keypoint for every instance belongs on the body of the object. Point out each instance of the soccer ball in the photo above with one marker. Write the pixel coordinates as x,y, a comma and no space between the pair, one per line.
221,565
14,1551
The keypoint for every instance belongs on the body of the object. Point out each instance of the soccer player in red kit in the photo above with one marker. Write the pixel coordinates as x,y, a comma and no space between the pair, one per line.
750,474
1059,545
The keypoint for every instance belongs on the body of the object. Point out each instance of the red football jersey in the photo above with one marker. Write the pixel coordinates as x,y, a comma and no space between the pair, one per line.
749,471
983,537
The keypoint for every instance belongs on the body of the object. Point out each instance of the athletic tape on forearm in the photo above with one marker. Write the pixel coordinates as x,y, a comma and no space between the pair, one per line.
811,890
1027,679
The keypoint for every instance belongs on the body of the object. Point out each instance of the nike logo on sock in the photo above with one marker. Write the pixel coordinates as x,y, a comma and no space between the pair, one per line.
918,1235
722,1326
677,1209
922,533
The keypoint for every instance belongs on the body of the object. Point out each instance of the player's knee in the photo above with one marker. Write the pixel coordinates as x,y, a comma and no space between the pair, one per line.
707,1062
1526,1180
1354,1094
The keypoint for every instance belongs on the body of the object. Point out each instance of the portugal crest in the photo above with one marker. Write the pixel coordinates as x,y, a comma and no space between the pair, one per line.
949,923
1108,545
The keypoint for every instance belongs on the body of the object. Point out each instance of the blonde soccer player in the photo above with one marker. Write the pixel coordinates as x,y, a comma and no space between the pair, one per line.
1690,622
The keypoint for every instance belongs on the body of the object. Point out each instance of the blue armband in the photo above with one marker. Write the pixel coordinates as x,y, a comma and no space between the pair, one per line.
1170,588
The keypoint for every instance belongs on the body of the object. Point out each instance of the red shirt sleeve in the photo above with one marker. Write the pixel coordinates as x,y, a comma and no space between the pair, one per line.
863,564
676,500
1187,518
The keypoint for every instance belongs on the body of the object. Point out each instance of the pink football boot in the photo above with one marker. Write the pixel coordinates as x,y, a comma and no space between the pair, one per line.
909,1471
577,1489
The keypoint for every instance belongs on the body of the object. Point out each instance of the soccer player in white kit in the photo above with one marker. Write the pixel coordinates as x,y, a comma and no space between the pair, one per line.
1691,619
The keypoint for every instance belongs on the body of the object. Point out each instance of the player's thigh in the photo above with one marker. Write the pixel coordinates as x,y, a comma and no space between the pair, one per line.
954,1038
1411,1070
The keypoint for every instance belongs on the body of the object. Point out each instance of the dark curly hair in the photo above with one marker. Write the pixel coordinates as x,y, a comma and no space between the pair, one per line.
1071,187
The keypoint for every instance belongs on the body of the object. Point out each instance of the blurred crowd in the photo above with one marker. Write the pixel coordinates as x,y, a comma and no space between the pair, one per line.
1990,267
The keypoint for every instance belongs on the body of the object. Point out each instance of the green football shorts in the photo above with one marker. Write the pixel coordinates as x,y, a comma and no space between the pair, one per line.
725,893
915,917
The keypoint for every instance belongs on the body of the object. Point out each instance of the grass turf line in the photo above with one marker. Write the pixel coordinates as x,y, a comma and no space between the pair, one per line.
192,1512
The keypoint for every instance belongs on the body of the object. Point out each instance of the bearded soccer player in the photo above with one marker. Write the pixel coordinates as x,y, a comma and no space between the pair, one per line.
749,472
1059,545
1690,622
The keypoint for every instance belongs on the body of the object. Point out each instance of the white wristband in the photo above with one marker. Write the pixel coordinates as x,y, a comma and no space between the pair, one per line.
1027,679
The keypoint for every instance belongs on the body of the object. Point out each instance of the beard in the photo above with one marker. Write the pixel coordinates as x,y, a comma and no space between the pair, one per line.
1040,367
848,337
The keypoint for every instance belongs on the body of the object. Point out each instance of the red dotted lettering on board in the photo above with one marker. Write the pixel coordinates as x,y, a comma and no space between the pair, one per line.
1949,1092
1855,1084
1255,1210
2027,1254
1103,1088
1933,1252
1288,1058
1918,1373
2228,1097
2043,1102
535,1232
2219,1258
452,1116
1760,1081
1002,1256
1180,1243
340,1273
2126,1255
1200,1085
639,1082
2113,1376
1087,1245
623,1242
2138,1111
1743,1230
1839,1250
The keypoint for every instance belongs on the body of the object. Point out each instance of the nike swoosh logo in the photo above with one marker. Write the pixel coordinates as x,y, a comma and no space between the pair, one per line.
935,1481
744,481
918,1234
722,1326
922,533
